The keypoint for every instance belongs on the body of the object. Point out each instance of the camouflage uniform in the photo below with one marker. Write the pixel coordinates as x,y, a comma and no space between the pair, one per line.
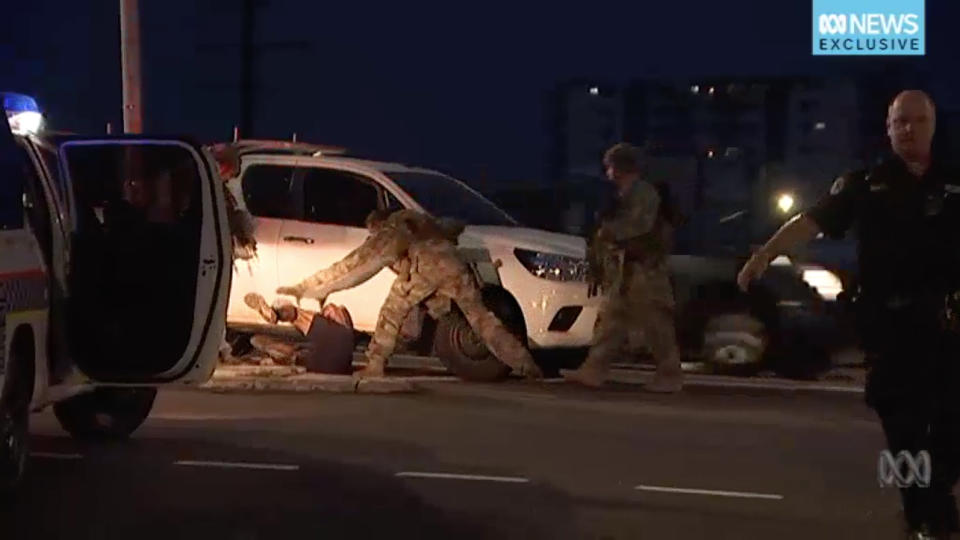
631,248
429,271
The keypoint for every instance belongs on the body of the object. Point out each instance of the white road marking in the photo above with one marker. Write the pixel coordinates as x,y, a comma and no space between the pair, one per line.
235,465
451,476
213,417
54,455
737,494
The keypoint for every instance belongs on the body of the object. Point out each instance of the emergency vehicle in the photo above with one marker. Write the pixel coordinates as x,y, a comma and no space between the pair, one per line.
114,277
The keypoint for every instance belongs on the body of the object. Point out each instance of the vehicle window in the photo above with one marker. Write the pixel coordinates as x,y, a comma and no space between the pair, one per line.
393,204
267,191
443,196
338,197
116,186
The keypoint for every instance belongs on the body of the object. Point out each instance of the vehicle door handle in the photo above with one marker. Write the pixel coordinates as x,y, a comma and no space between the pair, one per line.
302,239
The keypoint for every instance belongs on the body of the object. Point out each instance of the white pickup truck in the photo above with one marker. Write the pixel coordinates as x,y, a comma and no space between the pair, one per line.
310,202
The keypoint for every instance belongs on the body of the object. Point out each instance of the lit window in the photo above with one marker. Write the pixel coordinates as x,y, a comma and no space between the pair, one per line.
820,126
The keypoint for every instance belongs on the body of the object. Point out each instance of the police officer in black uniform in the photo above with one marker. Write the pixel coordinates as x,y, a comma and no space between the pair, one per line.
907,215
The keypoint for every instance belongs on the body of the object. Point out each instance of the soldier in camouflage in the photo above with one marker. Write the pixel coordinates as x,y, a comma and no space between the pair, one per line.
422,252
630,248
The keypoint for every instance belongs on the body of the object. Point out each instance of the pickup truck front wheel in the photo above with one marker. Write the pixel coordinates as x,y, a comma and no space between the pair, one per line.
462,350
734,343
724,333
105,413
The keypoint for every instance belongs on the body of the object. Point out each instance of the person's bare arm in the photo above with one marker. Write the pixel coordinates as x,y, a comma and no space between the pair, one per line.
797,232
794,234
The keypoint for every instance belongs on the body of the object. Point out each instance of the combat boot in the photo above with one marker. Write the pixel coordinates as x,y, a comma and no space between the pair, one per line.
585,375
530,370
665,384
372,370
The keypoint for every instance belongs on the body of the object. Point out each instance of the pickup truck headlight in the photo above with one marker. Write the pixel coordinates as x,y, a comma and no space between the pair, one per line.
552,266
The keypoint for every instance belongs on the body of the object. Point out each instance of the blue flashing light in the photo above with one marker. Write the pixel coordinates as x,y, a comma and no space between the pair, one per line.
15,103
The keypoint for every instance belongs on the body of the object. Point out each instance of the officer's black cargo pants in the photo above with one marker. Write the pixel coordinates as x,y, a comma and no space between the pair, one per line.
914,386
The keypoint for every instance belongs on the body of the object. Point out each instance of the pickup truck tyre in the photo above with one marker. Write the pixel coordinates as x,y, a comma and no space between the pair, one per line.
15,423
722,331
105,413
734,343
462,350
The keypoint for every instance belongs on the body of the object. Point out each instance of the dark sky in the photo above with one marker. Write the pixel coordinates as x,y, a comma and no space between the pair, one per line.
452,85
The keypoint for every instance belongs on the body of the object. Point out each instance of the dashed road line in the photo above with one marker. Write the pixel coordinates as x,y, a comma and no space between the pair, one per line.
715,493
471,477
238,465
54,455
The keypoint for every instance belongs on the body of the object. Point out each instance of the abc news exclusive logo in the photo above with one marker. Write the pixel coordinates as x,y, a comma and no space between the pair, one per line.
904,469
868,27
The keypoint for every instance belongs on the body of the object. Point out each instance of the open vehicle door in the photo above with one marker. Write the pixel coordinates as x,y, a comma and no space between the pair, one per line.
149,259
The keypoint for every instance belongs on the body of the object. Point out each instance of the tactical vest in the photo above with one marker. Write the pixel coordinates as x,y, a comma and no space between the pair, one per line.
416,227
653,247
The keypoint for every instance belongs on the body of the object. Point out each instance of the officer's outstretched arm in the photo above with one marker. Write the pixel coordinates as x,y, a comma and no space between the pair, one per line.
379,251
795,233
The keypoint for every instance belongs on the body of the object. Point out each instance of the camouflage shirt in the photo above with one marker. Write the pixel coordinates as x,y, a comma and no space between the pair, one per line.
409,242
635,227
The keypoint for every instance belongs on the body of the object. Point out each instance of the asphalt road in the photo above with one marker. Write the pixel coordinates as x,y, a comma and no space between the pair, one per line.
516,460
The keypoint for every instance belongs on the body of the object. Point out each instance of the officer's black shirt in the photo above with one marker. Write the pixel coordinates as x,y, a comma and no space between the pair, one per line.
908,227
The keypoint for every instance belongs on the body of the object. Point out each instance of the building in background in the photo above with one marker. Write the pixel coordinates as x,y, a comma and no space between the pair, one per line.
583,119
740,155
707,139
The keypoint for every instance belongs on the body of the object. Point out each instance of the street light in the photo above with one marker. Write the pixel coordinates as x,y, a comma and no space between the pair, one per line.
785,202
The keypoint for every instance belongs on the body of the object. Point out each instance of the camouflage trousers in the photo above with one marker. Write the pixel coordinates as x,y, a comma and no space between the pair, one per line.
407,294
639,302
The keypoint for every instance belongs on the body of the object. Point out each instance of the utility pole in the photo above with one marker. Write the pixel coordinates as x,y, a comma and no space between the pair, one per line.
247,67
130,65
